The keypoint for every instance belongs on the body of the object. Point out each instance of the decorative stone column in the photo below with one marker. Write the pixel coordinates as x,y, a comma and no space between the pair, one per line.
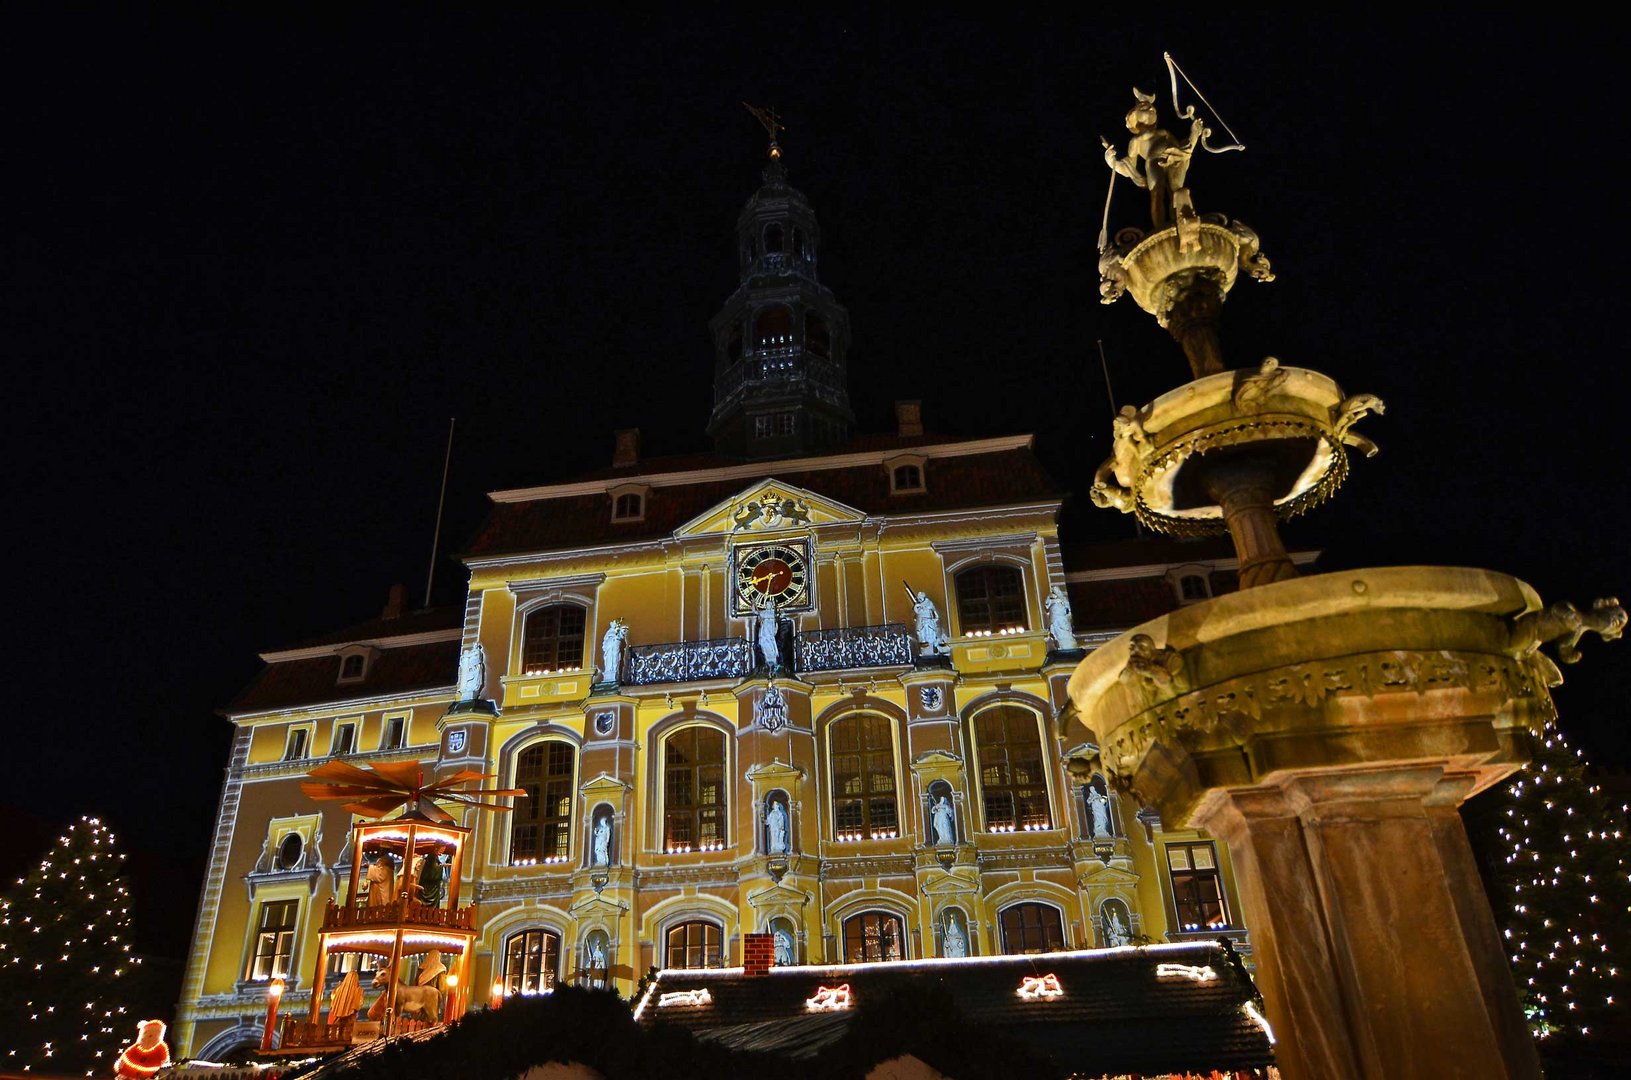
1327,728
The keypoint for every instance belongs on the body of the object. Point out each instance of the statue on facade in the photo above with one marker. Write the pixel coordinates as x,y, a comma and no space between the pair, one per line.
767,628
1099,805
956,944
597,954
603,841
472,672
784,946
1060,627
776,824
1156,160
931,638
943,821
611,651
1115,930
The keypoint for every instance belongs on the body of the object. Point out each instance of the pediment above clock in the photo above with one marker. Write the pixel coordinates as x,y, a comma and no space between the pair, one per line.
768,508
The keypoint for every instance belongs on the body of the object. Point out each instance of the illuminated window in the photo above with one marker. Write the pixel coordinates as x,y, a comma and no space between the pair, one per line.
630,506
694,789
907,478
695,944
351,667
552,638
295,748
1032,928
990,599
396,733
1013,777
863,778
873,935
532,962
542,825
1196,887
345,739
773,327
274,941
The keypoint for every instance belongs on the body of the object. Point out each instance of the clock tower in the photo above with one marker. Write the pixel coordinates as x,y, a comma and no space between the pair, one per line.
781,341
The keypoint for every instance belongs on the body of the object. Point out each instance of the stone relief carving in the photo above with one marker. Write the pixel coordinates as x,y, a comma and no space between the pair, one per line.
1252,392
472,672
1151,673
770,711
932,697
770,511
1348,412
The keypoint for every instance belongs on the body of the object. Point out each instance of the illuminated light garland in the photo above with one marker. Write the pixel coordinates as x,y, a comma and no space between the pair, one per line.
1250,1009
1199,974
1040,987
685,997
829,998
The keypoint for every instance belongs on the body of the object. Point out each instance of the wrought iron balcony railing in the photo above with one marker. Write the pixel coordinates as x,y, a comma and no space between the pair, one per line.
852,647
688,661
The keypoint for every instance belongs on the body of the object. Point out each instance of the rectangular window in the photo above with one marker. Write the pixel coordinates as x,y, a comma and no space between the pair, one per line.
1196,887
274,941
773,425
345,739
396,730
296,748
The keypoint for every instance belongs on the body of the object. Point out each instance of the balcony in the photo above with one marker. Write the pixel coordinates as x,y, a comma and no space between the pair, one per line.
888,645
688,661
852,647
401,913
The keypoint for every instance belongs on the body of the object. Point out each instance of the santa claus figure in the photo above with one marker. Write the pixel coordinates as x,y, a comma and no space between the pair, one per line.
147,1055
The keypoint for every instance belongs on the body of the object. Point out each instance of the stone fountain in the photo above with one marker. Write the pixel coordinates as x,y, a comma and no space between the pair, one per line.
1328,727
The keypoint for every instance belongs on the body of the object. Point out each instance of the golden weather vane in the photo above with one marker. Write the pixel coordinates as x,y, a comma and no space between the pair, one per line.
770,122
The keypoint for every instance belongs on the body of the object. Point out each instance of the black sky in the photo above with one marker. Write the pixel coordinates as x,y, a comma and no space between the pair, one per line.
256,263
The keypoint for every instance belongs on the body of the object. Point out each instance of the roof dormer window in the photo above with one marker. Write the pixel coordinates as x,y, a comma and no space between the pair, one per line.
629,502
354,665
906,474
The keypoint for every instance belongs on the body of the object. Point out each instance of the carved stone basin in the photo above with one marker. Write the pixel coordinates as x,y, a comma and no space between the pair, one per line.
1160,266
1295,421
1401,664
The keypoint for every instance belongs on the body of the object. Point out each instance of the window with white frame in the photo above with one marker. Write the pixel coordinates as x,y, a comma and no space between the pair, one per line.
863,778
274,941
353,666
295,748
1197,887
396,733
532,962
694,790
1013,770
345,739
629,506
541,823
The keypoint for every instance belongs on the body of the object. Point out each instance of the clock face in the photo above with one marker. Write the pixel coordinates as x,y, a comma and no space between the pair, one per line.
772,571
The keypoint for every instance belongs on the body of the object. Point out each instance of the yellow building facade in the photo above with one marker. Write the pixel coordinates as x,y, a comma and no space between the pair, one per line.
807,685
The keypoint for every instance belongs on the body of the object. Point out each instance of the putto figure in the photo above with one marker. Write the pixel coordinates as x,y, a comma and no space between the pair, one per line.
1157,161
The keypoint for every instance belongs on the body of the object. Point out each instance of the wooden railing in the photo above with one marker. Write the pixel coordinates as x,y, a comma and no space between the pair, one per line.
298,1033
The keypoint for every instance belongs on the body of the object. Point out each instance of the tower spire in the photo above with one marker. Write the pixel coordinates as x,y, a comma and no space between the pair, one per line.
771,122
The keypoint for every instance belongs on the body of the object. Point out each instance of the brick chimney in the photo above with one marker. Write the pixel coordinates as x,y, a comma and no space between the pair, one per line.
758,954
396,605
909,417
626,449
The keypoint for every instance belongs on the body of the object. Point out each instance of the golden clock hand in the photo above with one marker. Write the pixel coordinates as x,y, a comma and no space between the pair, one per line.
765,578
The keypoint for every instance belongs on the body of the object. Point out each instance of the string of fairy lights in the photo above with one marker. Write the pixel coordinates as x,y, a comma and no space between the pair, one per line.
1565,866
65,951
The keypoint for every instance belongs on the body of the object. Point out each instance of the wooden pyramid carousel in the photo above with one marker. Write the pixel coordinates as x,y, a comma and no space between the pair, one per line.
402,907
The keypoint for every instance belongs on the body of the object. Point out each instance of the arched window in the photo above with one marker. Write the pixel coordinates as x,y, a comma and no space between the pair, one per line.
541,826
552,638
695,944
733,343
694,790
630,506
863,778
991,599
873,935
532,962
1032,928
352,666
773,326
773,237
799,246
1013,777
816,337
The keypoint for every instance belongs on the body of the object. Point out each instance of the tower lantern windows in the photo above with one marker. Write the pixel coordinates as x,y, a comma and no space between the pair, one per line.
773,327
774,242
816,337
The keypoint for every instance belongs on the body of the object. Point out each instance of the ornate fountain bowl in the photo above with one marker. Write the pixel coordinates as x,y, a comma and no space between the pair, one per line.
1160,269
1294,422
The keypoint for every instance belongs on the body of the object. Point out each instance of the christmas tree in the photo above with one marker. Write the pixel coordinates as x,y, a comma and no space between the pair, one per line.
65,959
1565,897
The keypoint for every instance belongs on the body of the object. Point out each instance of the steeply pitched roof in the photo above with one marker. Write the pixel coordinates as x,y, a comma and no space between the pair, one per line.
312,681
1163,1008
425,620
1002,477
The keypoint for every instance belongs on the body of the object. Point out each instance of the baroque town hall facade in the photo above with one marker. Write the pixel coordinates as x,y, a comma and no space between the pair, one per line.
827,711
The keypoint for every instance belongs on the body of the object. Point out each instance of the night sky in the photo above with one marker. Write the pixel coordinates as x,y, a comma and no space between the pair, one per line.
254,265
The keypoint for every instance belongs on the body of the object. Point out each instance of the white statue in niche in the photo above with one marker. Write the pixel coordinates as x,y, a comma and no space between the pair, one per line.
611,650
1059,620
767,625
956,944
784,946
597,953
603,841
472,672
931,638
1099,803
943,820
1115,930
776,824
